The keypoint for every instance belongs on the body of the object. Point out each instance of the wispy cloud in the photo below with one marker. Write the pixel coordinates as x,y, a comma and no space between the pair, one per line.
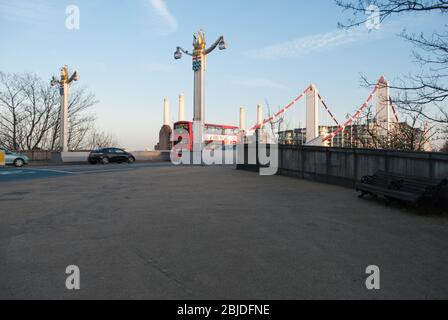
161,9
314,43
258,83
30,12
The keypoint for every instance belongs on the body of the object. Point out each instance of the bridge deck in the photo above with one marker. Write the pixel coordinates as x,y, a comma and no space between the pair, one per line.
201,232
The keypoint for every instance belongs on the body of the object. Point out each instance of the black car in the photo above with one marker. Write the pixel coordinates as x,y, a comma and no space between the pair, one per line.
106,155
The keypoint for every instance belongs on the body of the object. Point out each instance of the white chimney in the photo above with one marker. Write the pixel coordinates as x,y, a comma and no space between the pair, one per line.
181,107
242,119
259,115
166,112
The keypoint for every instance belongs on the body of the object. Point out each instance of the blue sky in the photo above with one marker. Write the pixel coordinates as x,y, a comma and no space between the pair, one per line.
124,54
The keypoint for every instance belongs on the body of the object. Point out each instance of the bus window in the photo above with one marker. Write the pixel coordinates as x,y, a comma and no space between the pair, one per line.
184,126
213,130
234,131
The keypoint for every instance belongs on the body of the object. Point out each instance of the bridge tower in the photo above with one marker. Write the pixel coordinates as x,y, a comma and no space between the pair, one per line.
312,114
384,111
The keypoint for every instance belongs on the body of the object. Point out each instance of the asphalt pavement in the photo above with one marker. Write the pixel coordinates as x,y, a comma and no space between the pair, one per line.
155,231
11,174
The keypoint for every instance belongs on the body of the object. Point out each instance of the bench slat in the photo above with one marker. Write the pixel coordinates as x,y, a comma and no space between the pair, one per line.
390,193
406,188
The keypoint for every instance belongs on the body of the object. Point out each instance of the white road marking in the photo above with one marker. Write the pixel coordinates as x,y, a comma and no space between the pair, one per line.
36,171
106,170
10,172
60,171
51,170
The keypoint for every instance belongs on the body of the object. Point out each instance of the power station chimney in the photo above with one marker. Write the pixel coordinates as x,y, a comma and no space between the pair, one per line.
181,107
165,132
259,115
166,112
242,119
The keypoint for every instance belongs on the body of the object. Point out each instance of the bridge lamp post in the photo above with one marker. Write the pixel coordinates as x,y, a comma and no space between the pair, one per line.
199,63
64,86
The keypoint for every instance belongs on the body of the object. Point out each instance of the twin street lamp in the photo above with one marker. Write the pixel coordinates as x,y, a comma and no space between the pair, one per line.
199,61
64,85
220,43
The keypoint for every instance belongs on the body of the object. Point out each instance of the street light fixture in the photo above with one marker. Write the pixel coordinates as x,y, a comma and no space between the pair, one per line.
222,45
64,86
178,53
199,61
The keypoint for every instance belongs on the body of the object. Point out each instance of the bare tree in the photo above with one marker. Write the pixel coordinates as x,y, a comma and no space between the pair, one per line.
99,139
30,114
387,8
413,134
445,147
80,123
40,105
276,124
426,92
444,142
12,100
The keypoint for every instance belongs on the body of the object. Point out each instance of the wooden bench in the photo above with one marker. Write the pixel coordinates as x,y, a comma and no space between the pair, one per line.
400,187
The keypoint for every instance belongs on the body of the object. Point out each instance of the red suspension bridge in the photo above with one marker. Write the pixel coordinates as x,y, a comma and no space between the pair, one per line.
385,117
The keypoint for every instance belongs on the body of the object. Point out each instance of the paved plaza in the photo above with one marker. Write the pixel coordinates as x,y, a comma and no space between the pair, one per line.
164,232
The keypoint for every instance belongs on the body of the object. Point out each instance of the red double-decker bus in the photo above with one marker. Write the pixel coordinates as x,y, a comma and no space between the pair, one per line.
214,134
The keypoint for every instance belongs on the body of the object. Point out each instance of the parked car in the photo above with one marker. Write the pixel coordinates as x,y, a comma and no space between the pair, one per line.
106,155
16,159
